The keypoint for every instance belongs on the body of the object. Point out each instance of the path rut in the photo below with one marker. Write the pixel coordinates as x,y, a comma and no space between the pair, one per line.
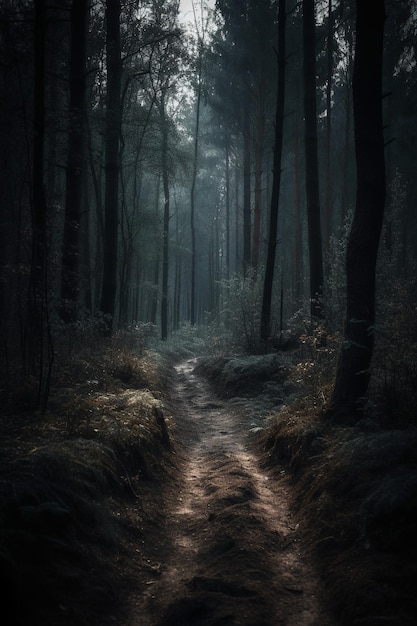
231,551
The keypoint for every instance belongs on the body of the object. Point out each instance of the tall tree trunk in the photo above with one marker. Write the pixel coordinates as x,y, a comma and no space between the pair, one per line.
298,229
70,280
193,183
112,166
165,234
312,170
157,262
347,134
98,223
227,200
237,221
176,317
85,258
276,181
246,192
40,345
329,86
353,370
259,152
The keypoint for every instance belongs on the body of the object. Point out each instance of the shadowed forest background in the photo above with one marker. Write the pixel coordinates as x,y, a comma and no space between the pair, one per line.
233,180
138,147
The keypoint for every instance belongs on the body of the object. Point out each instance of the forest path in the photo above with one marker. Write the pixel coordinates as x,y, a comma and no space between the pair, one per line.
229,549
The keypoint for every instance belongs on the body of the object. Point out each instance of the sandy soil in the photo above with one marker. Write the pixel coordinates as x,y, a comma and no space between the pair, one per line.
228,550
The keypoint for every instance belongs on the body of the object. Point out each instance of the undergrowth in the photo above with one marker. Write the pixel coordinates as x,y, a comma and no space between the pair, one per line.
70,476
356,488
356,492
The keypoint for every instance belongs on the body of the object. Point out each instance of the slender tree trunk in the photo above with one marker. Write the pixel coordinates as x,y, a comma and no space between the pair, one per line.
227,177
298,230
70,279
40,344
237,221
86,254
112,166
246,192
154,303
98,224
276,181
38,192
177,290
353,370
259,151
329,86
347,135
193,183
312,171
165,234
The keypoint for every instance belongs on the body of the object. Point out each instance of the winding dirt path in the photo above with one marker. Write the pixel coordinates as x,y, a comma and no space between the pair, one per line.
229,550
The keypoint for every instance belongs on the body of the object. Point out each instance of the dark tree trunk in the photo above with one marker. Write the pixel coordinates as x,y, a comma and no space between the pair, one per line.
40,351
227,192
38,190
298,226
312,170
347,134
98,222
113,123
193,184
85,258
259,152
246,192
276,181
177,289
165,234
353,371
328,201
237,221
70,280
154,300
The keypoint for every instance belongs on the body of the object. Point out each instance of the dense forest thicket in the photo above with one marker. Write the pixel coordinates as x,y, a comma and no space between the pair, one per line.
167,163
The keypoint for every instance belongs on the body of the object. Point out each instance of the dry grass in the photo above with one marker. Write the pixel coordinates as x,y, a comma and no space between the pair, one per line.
80,484
356,493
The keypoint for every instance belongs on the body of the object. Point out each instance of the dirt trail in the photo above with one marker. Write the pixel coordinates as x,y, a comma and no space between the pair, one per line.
229,550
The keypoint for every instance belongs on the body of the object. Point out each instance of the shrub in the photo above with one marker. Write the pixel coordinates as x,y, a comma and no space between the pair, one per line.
242,310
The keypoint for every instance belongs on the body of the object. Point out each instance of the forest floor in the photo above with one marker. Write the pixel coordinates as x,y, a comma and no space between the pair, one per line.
229,549
168,491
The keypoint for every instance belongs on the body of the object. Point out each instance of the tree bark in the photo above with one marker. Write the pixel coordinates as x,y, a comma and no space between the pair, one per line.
346,204
112,167
259,152
246,192
193,184
312,170
165,233
328,200
298,254
227,200
276,181
353,370
40,351
70,280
